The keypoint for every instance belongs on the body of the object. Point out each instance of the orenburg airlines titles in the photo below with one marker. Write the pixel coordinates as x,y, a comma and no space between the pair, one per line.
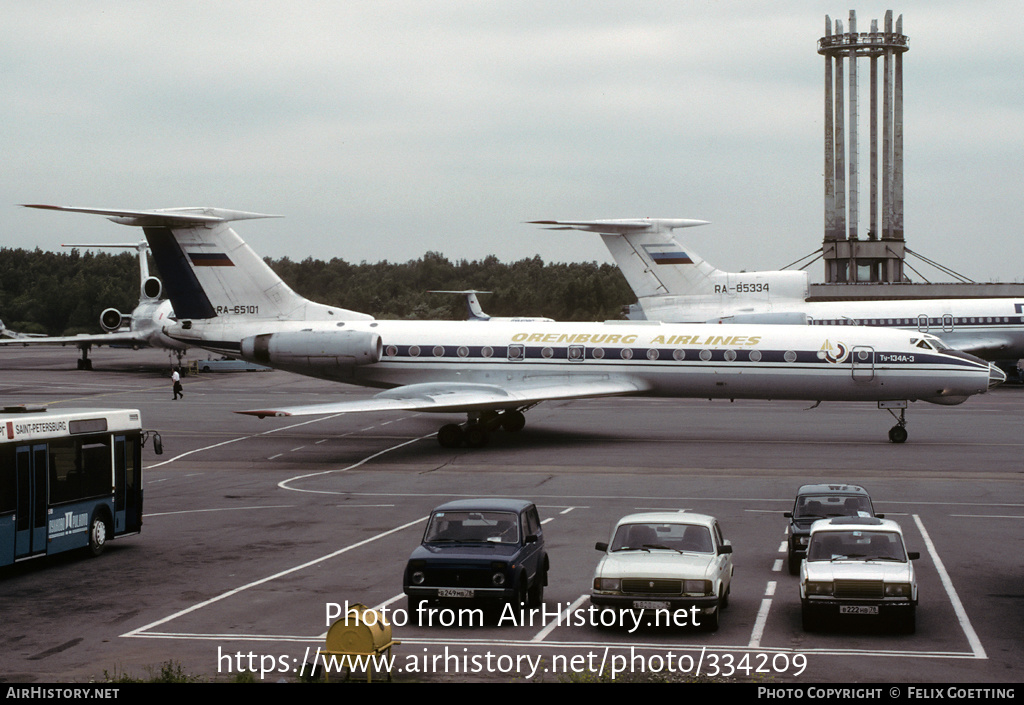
612,339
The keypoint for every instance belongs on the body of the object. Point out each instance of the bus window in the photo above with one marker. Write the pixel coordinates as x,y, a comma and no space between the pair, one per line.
80,468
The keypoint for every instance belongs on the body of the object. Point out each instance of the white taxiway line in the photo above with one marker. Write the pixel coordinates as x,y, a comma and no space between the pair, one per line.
762,617
221,509
958,607
140,631
240,438
543,633
283,484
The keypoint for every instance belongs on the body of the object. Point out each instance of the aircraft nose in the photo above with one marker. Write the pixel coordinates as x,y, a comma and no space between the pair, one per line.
995,376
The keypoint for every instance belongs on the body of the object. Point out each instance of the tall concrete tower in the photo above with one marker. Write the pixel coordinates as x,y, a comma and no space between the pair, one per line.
878,257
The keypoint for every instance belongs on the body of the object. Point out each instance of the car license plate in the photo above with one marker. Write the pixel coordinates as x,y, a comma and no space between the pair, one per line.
649,605
858,609
454,592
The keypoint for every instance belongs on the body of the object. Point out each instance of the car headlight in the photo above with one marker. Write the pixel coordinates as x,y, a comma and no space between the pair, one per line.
818,588
610,584
699,587
897,590
498,579
417,578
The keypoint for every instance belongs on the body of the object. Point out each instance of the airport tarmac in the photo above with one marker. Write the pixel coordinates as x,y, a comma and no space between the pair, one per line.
255,528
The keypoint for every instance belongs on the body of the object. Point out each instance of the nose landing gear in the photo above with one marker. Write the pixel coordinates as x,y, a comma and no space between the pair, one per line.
898,433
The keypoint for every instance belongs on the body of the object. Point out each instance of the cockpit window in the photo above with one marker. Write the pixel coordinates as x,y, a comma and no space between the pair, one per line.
936,343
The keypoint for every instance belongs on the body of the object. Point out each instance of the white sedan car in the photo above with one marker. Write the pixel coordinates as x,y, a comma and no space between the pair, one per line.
858,566
675,563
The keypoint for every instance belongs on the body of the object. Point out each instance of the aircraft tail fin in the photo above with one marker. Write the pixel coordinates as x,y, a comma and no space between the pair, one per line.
150,288
475,311
210,271
650,258
672,282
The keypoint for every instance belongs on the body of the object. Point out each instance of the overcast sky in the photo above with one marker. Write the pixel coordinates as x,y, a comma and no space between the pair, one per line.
382,130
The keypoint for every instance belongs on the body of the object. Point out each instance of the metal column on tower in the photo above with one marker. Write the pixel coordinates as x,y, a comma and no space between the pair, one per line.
877,257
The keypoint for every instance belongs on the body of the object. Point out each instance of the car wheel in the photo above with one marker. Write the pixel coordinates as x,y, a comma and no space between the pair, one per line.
807,620
536,593
523,593
794,564
97,535
910,621
710,621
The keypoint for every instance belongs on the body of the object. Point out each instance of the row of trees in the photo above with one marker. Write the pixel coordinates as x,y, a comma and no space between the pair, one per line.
63,293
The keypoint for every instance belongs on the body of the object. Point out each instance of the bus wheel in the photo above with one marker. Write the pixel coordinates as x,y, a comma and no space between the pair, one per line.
97,536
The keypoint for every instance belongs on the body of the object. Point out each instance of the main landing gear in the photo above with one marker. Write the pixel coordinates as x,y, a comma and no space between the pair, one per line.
84,363
473,433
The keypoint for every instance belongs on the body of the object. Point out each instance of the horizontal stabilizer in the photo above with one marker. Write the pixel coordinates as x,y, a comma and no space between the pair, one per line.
621,226
168,217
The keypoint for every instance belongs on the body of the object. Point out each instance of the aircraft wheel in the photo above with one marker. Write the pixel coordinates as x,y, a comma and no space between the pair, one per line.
898,434
450,436
513,421
475,436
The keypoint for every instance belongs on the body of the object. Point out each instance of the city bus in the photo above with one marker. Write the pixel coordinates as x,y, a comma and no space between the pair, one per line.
69,479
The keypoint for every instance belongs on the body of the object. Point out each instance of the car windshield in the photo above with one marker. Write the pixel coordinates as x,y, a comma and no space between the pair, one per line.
822,506
856,545
677,537
472,527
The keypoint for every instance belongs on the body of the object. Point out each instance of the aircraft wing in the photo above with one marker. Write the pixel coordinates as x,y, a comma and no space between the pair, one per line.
459,397
115,338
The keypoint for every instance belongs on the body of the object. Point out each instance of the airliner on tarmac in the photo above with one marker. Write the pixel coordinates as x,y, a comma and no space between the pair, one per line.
676,285
142,328
227,300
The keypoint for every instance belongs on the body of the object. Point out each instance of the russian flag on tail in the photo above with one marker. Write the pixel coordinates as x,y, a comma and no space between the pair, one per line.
668,253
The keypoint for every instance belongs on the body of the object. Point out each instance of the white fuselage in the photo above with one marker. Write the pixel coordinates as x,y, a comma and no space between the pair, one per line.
990,328
149,320
671,360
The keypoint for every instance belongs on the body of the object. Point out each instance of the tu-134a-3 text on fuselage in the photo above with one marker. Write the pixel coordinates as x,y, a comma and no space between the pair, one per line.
228,300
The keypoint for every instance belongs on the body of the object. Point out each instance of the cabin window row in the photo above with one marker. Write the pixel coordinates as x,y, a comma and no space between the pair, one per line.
578,353
921,322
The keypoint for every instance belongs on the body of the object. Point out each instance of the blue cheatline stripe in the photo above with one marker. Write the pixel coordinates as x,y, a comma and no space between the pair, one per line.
183,289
